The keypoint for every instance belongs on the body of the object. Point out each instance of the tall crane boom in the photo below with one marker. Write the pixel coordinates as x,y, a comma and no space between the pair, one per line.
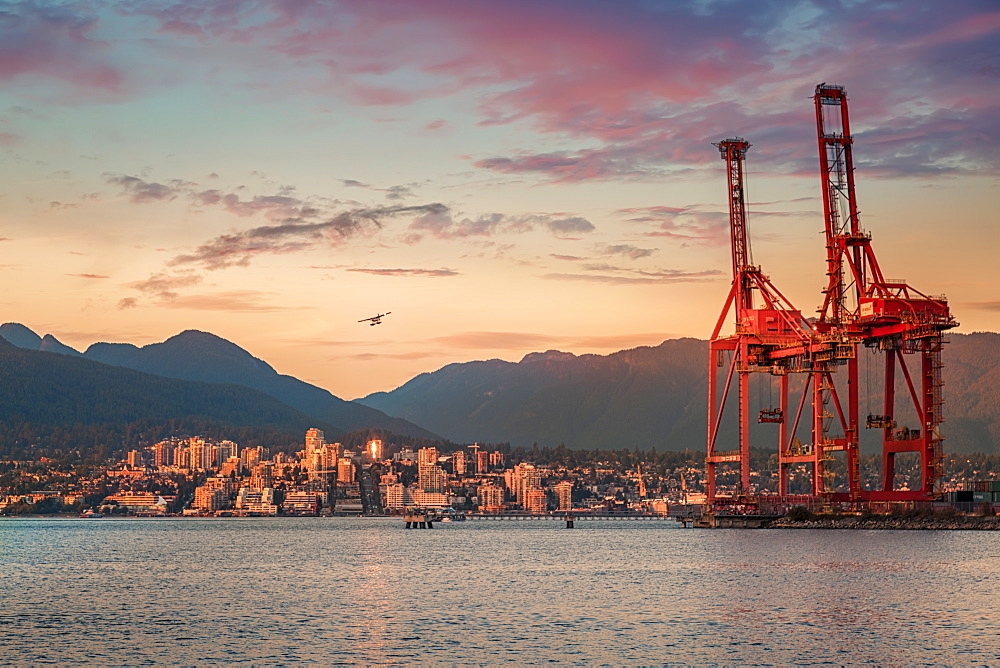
888,316
734,152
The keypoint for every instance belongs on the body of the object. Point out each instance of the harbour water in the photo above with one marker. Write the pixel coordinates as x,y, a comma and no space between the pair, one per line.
276,591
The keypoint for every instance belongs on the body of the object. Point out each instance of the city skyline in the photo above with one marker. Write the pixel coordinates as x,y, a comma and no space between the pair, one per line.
503,178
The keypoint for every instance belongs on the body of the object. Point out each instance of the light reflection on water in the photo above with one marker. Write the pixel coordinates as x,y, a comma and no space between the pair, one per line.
367,591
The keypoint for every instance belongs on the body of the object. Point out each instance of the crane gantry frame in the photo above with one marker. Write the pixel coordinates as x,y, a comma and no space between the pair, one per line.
860,308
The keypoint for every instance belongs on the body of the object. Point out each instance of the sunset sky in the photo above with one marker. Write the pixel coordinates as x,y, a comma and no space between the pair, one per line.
504,176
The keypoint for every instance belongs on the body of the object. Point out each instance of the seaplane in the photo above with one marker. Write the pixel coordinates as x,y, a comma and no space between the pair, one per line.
375,319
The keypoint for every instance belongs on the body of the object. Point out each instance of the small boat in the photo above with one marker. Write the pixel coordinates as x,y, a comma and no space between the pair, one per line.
91,514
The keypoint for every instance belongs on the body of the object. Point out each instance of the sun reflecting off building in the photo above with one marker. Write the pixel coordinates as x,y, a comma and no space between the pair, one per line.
375,449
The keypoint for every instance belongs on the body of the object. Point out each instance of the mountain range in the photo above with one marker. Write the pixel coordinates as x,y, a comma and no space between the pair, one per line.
648,397
199,356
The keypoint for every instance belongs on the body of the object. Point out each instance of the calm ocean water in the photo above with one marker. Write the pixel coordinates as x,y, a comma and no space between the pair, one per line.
367,591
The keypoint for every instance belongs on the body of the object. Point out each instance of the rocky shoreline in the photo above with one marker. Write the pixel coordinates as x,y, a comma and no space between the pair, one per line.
956,523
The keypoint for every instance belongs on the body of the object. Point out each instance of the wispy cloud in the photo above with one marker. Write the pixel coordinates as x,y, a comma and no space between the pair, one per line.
627,250
291,237
303,223
686,224
237,301
412,355
443,226
495,340
88,275
604,273
141,191
983,306
432,273
160,286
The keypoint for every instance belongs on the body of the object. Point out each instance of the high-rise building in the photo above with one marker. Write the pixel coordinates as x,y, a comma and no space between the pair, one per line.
163,453
374,449
314,440
181,456
535,500
496,459
473,459
262,476
458,462
251,456
524,477
427,456
231,467
431,478
482,462
209,498
345,470
135,459
224,450
199,453
490,498
564,495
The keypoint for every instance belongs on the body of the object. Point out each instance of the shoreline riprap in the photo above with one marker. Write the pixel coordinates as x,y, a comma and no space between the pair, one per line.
955,523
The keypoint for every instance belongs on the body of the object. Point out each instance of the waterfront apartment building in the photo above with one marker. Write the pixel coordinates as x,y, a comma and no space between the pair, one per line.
431,478
302,503
491,498
536,501
256,502
564,495
140,502
521,479
210,499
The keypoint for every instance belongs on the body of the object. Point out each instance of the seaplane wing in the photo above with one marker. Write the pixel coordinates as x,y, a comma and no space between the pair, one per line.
375,319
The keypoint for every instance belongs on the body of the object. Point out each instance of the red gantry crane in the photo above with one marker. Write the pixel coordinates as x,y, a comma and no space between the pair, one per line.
860,308
771,337
887,316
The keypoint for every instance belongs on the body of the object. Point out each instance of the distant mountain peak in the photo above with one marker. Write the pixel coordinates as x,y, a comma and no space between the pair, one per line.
23,337
20,336
548,356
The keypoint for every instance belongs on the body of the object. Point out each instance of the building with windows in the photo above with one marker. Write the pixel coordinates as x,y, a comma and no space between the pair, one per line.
564,495
302,503
431,478
209,499
256,502
345,470
536,501
427,456
491,498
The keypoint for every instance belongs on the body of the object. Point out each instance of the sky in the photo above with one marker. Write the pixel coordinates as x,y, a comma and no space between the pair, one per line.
502,176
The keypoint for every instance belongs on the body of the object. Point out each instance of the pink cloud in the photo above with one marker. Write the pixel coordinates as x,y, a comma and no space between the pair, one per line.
10,140
58,44
431,273
240,301
650,83
688,224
